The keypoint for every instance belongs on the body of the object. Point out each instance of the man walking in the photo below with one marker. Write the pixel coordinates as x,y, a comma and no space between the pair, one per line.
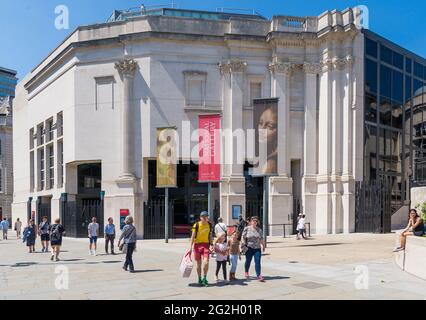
18,227
93,231
43,232
201,243
5,227
109,235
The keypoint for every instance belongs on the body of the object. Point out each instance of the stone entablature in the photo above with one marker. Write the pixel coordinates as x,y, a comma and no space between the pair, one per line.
233,65
281,31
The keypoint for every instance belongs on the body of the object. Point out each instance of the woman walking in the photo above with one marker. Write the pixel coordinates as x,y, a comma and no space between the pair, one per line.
43,232
30,233
128,236
56,231
252,244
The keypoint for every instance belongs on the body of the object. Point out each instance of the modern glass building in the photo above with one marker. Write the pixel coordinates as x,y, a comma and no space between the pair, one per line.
8,82
395,118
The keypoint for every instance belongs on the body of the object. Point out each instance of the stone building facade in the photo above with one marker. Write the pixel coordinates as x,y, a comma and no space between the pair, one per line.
85,118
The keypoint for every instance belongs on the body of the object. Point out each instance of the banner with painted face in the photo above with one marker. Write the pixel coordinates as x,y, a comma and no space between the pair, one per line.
265,123
209,148
166,157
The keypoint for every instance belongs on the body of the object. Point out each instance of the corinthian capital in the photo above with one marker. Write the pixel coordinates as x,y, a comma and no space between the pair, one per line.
312,68
126,67
342,63
233,65
282,67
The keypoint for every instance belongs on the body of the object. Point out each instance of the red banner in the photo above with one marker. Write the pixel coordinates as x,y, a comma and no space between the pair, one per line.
209,148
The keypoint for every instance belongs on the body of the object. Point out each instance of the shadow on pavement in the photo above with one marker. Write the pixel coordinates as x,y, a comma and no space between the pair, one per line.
144,271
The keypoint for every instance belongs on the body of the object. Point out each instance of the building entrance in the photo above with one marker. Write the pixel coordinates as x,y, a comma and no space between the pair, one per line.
186,202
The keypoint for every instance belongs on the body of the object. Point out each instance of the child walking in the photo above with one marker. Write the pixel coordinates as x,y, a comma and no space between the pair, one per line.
235,254
222,252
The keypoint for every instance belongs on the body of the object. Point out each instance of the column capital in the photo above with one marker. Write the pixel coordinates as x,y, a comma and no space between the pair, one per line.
232,66
126,67
282,67
337,63
312,67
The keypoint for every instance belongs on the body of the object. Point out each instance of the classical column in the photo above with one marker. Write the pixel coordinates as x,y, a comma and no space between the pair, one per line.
232,187
280,204
281,73
127,69
310,157
348,178
323,205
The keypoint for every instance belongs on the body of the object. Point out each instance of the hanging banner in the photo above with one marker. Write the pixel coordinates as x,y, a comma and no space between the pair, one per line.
166,157
265,123
209,148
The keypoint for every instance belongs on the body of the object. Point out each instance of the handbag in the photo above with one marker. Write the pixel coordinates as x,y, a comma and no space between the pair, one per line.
186,265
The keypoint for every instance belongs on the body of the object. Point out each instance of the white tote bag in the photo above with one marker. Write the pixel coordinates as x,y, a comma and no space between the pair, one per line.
186,265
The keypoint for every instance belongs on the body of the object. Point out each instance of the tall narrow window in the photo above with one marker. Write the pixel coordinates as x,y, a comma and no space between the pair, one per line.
49,130
31,137
32,171
1,180
40,134
51,164
41,169
60,124
60,165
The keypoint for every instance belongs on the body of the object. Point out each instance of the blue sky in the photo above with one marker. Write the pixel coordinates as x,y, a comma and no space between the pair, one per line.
28,33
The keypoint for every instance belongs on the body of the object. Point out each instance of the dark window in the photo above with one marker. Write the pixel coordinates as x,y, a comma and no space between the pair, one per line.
371,48
408,65
398,60
418,85
370,166
418,70
386,54
385,111
397,86
370,107
424,73
408,87
397,115
371,76
385,82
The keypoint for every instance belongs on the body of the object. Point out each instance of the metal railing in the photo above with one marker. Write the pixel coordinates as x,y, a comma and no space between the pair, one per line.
284,225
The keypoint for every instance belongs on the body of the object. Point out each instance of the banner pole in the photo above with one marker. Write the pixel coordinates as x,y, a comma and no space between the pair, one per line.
265,209
166,214
209,200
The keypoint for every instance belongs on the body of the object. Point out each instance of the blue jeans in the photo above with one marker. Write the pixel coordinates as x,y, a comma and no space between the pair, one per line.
257,254
234,262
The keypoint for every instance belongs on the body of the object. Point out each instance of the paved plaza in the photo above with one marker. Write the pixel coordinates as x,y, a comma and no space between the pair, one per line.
324,267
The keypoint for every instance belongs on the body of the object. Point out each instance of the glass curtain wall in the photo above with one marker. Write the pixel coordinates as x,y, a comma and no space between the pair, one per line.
395,117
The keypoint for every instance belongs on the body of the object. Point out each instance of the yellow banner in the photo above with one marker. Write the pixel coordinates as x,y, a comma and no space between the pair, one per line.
166,158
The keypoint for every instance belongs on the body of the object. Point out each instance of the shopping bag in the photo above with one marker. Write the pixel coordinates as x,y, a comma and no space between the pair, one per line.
186,265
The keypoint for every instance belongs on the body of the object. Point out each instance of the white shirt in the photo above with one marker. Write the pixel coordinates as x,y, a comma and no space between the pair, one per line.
93,229
220,228
301,224
221,247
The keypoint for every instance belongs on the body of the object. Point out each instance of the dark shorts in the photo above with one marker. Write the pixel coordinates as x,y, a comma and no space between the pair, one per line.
93,240
45,237
418,233
30,242
56,243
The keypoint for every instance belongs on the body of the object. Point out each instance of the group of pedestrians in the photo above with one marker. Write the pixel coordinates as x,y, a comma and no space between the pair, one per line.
246,239
52,234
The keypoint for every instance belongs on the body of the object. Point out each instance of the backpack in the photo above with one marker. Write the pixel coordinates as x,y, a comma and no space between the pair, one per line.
55,235
197,226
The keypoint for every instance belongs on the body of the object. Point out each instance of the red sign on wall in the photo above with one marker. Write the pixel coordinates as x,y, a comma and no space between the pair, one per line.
209,148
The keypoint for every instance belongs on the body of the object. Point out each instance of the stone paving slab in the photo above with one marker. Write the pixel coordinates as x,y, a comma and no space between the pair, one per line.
321,268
